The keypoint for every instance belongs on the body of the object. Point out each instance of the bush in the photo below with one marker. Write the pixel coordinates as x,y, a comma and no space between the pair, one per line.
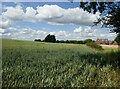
94,45
88,41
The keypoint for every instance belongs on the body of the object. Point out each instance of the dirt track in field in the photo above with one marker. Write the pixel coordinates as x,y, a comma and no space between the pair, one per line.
109,46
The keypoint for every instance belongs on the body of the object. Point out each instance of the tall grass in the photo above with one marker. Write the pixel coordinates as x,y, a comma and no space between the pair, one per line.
33,64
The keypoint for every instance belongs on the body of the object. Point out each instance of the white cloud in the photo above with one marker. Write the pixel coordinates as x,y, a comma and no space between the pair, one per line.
85,32
5,24
31,14
62,35
107,35
1,30
54,15
50,13
31,34
78,30
14,13
88,29
23,33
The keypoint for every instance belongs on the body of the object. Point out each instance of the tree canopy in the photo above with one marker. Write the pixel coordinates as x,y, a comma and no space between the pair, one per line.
110,13
50,38
117,39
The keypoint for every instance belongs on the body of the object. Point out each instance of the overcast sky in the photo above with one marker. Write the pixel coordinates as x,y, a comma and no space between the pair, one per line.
29,21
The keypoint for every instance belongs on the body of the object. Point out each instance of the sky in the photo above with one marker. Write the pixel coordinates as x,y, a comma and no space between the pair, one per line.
35,20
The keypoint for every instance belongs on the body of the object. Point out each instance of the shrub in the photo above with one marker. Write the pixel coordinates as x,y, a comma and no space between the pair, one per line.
88,41
94,45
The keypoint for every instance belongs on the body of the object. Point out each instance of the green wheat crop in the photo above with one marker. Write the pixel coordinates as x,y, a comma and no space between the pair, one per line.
39,64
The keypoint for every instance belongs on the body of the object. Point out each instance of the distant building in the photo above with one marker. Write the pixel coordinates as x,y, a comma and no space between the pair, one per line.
105,42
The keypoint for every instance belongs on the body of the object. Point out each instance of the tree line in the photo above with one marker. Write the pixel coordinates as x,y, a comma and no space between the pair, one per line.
89,42
52,39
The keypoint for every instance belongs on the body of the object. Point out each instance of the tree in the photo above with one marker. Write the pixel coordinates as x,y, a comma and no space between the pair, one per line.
39,40
110,14
117,39
67,41
88,41
93,7
81,42
50,38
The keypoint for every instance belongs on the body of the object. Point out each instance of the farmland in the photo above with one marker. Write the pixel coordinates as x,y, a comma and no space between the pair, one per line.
40,64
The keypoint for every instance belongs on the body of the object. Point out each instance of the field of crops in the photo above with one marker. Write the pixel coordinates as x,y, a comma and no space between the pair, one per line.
37,64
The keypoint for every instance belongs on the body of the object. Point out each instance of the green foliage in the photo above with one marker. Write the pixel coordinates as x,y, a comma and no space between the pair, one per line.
71,41
40,64
93,7
117,39
50,38
39,40
88,41
110,13
94,45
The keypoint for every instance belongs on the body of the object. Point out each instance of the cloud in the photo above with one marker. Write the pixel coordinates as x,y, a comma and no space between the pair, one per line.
1,30
61,34
14,13
31,34
53,14
5,24
109,36
30,14
85,32
78,30
23,33
56,14
49,12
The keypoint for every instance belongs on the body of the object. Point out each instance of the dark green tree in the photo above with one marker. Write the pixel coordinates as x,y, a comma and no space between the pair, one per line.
110,13
50,38
88,41
117,39
39,40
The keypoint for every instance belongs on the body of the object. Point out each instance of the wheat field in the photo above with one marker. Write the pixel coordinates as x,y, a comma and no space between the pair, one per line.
40,64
